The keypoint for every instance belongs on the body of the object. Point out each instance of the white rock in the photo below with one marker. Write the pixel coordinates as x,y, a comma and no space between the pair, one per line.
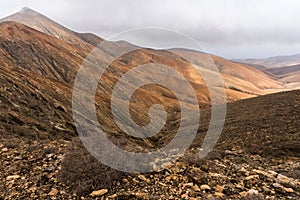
283,179
12,177
252,192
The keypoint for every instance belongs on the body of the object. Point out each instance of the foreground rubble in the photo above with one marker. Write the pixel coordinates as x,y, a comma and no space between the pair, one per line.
29,171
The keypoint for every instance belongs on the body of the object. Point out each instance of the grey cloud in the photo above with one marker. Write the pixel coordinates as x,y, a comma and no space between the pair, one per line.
232,28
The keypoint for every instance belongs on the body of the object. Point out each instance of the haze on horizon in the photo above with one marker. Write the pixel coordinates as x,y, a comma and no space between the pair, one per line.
232,29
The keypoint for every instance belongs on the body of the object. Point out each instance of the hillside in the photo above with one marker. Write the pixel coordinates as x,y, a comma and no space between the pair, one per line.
50,66
284,69
87,41
256,157
238,76
32,50
45,25
277,61
289,75
60,60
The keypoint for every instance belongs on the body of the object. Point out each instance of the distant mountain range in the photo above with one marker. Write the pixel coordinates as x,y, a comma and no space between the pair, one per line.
283,68
272,62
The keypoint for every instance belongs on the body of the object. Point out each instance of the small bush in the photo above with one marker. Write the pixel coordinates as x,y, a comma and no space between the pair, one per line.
83,173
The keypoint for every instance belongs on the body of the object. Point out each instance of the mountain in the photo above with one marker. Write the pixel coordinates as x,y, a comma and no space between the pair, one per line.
37,76
272,62
39,61
284,69
241,80
30,49
39,71
236,76
48,51
45,25
290,75
61,60
34,106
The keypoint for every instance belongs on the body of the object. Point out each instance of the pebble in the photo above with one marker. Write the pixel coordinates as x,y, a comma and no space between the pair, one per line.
53,192
243,170
251,177
262,173
141,195
277,185
273,172
204,187
283,179
196,188
219,188
282,188
143,178
252,192
12,177
219,194
185,196
99,193
289,190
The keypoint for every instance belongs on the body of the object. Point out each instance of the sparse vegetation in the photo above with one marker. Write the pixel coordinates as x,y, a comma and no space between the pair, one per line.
83,173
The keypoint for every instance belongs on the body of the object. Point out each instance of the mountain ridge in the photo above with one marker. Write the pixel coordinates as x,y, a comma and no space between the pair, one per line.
44,24
274,61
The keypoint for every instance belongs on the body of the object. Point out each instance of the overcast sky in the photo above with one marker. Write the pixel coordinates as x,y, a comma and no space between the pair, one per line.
229,28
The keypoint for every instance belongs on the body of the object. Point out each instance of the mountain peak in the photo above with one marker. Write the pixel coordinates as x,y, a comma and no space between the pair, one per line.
27,10
42,23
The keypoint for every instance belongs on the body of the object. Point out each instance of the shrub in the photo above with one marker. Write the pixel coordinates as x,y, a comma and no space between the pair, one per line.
83,173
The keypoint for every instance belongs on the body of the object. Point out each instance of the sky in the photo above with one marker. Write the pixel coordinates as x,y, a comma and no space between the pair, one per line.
228,28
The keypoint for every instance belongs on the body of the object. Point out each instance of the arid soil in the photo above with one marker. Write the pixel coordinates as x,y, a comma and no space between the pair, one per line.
257,157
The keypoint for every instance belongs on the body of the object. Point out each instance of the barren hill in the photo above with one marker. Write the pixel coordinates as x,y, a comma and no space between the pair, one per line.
237,76
290,75
43,24
277,61
50,64
30,49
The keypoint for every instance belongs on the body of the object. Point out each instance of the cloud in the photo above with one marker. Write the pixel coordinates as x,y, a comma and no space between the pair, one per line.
222,26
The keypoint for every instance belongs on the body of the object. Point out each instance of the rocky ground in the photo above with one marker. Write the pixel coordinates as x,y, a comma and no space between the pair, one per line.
257,157
29,171
29,167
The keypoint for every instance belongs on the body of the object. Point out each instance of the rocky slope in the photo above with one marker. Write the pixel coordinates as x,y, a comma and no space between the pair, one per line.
37,71
45,25
257,157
